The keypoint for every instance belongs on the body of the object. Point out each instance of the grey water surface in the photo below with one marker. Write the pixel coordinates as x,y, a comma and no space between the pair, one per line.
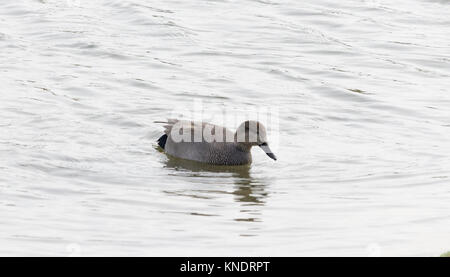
363,93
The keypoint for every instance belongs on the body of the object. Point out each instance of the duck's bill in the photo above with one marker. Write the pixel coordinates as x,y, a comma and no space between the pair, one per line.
268,151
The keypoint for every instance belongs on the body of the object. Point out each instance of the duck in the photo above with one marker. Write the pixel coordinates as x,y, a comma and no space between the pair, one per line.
213,144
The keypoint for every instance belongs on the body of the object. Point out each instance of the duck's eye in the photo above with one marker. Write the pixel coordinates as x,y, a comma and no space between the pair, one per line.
263,144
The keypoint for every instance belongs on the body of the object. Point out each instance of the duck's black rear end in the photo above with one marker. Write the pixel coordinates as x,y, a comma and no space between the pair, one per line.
162,141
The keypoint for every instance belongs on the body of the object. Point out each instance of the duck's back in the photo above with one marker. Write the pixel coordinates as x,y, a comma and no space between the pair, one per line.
213,152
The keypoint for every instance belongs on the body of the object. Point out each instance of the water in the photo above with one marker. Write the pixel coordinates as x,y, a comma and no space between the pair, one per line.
363,155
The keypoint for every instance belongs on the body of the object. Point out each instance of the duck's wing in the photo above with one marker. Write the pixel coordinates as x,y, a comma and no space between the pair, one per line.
195,127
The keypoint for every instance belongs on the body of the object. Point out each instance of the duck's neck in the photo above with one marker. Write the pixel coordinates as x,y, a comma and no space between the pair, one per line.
244,147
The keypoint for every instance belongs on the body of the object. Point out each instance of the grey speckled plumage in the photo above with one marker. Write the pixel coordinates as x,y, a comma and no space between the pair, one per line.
234,149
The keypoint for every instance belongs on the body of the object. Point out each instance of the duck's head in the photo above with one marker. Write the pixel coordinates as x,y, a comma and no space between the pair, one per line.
253,133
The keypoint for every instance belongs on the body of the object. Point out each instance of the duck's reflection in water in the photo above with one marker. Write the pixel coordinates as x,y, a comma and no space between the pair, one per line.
248,191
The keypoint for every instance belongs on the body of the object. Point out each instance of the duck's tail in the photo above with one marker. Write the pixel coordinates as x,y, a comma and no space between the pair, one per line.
162,141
